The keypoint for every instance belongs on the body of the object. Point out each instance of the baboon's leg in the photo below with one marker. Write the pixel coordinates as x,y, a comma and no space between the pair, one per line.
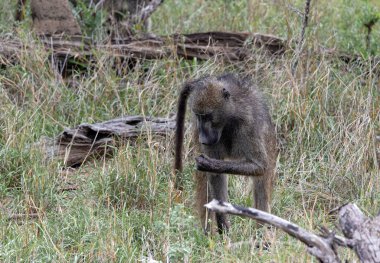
262,192
218,185
202,197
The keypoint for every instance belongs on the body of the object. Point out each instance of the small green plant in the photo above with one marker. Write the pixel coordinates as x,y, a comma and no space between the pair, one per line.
90,17
360,29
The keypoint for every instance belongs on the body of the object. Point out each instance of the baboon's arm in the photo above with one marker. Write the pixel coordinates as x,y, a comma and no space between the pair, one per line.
207,164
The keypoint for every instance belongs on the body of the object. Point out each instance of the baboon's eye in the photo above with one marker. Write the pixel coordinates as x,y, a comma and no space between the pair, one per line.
226,94
207,117
204,117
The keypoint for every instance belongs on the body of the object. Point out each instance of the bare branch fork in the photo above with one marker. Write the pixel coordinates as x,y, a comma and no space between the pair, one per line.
144,13
361,233
317,246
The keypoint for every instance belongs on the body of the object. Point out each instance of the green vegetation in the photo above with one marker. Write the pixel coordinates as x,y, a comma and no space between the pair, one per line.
327,118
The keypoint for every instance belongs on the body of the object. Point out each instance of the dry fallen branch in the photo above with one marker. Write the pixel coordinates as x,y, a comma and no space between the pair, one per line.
317,246
361,233
226,45
75,145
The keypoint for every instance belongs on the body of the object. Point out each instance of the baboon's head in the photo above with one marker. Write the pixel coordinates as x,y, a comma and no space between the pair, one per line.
211,104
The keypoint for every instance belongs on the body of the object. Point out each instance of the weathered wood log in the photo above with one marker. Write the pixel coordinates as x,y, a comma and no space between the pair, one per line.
318,246
76,145
226,45
362,234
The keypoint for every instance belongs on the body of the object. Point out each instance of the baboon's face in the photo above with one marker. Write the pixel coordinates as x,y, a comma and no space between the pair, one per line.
209,128
211,107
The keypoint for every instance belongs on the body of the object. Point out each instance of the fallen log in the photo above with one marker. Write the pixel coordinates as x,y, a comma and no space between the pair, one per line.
75,145
361,233
226,45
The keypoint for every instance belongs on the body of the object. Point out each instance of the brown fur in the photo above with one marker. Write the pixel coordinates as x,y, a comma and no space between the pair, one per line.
232,121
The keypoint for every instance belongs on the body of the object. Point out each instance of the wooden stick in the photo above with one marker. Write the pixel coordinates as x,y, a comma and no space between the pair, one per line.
299,48
317,246
361,233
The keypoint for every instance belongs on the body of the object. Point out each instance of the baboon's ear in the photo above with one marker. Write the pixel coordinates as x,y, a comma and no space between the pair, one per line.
226,94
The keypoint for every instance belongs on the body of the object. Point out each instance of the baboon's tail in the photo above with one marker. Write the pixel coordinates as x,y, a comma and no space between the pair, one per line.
179,134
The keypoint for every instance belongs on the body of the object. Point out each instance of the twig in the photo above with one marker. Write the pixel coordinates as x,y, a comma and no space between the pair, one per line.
69,188
369,26
295,10
302,37
305,21
338,240
99,4
146,11
23,216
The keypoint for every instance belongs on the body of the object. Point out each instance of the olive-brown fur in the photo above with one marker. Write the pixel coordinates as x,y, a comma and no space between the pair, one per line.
233,134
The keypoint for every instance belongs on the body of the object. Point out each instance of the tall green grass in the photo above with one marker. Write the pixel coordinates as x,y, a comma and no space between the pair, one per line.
327,116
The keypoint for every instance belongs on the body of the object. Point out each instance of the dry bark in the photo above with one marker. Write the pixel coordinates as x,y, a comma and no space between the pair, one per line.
361,233
75,145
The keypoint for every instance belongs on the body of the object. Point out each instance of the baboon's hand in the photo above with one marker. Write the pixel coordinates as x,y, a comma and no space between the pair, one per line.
205,163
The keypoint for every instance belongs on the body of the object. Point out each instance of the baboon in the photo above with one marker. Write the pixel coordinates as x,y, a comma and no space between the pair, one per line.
234,134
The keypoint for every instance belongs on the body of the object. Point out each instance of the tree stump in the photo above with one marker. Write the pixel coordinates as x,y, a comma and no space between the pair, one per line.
53,17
